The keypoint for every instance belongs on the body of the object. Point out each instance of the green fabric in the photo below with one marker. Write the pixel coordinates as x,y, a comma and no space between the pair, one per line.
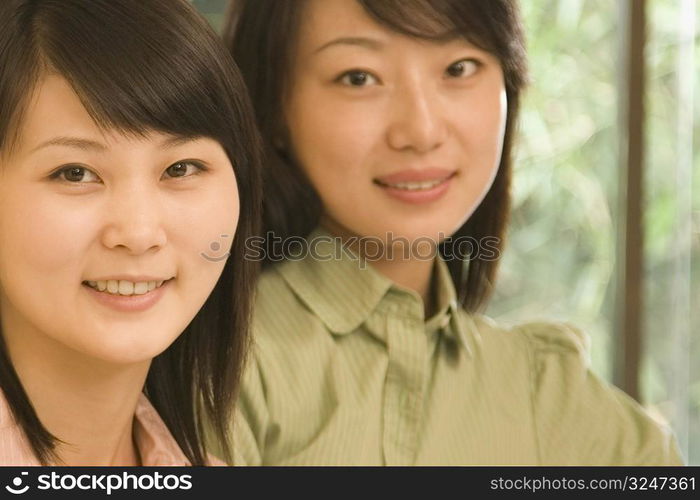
345,370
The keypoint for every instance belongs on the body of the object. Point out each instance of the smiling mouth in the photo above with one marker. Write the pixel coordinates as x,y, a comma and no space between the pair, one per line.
125,288
417,185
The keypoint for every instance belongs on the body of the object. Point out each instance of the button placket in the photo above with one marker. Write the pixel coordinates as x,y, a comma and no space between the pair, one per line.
405,382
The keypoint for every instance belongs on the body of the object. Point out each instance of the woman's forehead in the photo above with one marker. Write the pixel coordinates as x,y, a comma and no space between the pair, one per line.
328,23
323,20
55,116
53,109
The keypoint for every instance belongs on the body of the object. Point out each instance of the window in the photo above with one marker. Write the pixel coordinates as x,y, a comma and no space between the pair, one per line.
568,216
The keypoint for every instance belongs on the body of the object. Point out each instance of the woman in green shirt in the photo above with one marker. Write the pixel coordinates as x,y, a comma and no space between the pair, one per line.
388,128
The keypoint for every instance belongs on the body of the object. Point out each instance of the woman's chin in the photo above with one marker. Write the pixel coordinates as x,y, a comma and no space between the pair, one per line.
118,347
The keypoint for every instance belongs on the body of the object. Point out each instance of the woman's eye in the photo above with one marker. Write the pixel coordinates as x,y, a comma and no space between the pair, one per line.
357,79
462,68
184,169
75,174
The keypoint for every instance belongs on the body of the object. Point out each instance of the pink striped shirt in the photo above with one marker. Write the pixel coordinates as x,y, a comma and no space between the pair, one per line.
155,443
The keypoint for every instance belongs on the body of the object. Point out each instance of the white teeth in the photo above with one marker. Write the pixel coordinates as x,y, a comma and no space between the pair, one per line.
112,286
123,287
416,186
126,287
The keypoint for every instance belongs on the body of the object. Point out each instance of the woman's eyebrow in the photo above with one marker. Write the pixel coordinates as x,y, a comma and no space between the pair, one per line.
447,38
92,145
369,43
174,141
72,142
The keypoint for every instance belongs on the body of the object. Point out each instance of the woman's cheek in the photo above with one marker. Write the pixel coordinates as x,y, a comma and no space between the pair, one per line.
332,131
210,228
53,234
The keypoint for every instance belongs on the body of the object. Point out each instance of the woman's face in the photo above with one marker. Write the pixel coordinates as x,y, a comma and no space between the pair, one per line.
81,210
397,135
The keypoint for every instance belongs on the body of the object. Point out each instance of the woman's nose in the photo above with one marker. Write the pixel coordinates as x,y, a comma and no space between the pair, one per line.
418,120
134,222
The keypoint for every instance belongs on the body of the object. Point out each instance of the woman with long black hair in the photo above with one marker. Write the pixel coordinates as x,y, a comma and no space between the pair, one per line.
128,172
389,127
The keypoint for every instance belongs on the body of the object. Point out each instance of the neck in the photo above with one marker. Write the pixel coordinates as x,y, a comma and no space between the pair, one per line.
414,275
411,273
86,404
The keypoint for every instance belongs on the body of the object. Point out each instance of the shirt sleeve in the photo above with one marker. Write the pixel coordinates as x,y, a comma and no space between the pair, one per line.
251,417
582,420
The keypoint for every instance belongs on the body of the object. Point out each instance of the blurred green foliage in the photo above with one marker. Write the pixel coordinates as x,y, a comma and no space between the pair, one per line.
565,198
560,255
671,370
213,10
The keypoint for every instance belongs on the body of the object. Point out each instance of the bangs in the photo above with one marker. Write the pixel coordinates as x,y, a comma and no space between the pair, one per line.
437,20
132,73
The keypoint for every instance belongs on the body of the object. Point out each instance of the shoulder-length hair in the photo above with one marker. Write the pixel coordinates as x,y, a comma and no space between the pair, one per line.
261,35
138,67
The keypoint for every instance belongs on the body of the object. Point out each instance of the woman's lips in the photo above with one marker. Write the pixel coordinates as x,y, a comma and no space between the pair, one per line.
129,303
417,186
407,176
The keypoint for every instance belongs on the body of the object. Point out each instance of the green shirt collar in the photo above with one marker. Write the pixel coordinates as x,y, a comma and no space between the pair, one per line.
447,317
343,291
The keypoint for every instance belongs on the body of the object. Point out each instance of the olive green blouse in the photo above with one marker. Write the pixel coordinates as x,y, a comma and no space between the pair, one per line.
346,370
